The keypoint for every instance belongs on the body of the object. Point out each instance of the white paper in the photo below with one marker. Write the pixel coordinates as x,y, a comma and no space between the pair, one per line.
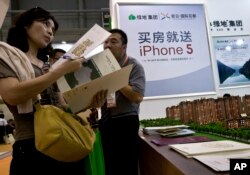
98,65
221,161
87,43
192,149
162,129
180,132
79,98
79,89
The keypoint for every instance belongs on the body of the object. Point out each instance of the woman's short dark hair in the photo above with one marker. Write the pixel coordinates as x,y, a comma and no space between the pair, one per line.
122,33
17,35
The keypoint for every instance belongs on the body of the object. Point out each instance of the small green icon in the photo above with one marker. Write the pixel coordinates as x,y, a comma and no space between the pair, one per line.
131,17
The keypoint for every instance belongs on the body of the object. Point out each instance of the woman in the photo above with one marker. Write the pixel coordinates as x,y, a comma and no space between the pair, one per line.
22,79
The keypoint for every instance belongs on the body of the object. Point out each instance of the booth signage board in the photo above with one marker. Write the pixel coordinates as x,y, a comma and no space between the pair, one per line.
171,42
232,54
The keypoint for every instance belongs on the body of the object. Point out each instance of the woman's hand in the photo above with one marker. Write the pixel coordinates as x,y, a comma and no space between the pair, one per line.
99,99
64,66
11,122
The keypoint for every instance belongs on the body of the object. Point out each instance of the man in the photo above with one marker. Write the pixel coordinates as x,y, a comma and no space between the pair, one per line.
119,125
55,55
55,98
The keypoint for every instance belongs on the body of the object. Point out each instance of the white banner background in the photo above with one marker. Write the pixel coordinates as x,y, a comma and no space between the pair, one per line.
171,42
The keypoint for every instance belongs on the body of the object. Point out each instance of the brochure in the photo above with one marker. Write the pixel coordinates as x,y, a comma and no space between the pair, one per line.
163,129
97,66
87,43
188,139
99,72
79,98
178,133
221,161
193,149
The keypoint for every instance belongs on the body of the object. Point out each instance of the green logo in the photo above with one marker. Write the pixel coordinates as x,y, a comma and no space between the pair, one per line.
131,17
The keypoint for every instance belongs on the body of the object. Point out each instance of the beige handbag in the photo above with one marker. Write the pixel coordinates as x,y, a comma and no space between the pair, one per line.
63,136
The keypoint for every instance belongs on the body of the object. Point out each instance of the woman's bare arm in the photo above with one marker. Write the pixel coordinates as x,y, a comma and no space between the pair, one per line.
15,92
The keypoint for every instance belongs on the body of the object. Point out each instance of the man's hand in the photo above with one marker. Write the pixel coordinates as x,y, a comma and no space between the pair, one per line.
99,99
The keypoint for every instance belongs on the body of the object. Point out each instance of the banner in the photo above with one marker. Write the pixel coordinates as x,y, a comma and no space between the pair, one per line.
232,55
171,42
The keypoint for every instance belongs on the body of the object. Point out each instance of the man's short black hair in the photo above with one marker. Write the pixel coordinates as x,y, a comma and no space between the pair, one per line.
54,51
226,95
122,33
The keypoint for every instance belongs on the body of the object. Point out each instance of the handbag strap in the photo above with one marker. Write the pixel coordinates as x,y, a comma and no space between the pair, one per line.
37,104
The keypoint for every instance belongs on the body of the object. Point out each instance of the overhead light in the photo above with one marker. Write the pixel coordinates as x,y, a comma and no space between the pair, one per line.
239,42
228,48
